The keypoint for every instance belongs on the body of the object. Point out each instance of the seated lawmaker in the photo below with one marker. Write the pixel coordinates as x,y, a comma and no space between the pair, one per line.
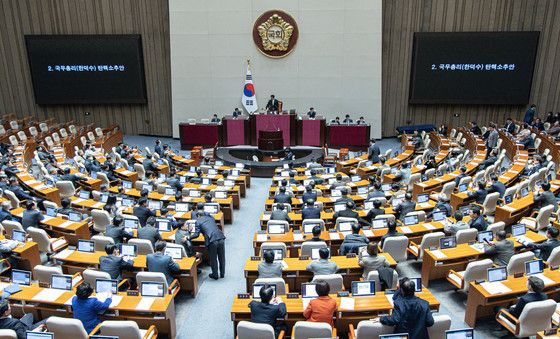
477,219
321,309
8,322
215,119
87,309
371,261
31,216
501,250
316,234
149,231
236,112
322,266
480,194
117,232
391,231
406,206
272,105
545,248
311,114
280,213
309,194
113,263
161,262
335,121
344,198
282,197
496,185
349,213
347,119
545,198
361,121
269,268
452,228
535,287
268,310
352,242
142,212
310,211
375,211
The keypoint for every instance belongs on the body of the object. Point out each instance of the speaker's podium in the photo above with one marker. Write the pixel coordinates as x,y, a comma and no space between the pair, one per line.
271,140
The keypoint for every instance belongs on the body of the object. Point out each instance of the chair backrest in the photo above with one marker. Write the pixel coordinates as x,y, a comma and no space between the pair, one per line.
104,179
421,215
414,178
465,180
309,330
308,246
123,329
21,135
335,281
430,173
543,217
101,219
90,276
139,183
13,140
320,222
368,329
536,317
343,219
140,170
278,282
43,127
490,202
100,241
8,334
497,226
14,201
41,238
387,216
442,323
466,236
145,246
63,133
396,247
448,189
14,125
72,129
56,137
250,330
152,277
43,273
274,245
91,136
517,262
287,207
10,225
476,270
99,132
374,276
66,327
554,258
66,188
429,240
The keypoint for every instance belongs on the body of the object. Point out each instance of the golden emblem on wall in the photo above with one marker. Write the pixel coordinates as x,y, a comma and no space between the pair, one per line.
275,33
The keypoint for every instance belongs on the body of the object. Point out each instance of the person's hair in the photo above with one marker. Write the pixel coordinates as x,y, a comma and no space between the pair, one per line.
308,188
117,221
322,288
494,177
377,185
200,206
377,203
356,228
266,293
481,185
142,201
163,211
408,196
30,204
292,174
272,96
268,256
536,283
476,210
372,249
282,189
160,245
338,176
553,231
349,205
501,235
463,169
458,216
4,306
408,288
284,182
391,225
280,207
316,231
324,253
110,248
309,202
546,186
65,202
84,290
151,221
208,197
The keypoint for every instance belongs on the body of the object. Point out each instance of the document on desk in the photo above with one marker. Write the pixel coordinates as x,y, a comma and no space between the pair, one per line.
46,218
48,294
115,299
478,247
3,285
266,217
66,224
347,304
368,233
298,236
546,280
40,187
98,205
334,236
165,197
77,200
305,302
145,303
425,205
262,237
63,254
438,254
495,287
406,229
430,226
284,264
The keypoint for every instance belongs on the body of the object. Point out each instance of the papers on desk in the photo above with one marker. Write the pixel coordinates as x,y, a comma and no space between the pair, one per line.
262,237
77,200
346,303
63,254
66,224
46,218
495,287
266,217
165,197
69,301
145,303
284,264
508,208
406,229
115,299
425,205
40,187
546,280
3,285
478,247
48,294
556,315
98,205
202,187
438,254
31,182
430,226
298,236
334,236
305,302
368,233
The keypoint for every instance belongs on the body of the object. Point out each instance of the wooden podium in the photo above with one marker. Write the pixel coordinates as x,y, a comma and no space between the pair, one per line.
271,140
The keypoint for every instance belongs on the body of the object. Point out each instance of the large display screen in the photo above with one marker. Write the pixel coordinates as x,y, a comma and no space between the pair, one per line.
473,67
86,69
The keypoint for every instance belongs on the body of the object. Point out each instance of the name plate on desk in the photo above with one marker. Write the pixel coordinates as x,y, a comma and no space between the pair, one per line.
351,255
343,294
304,257
132,293
243,296
254,258
292,295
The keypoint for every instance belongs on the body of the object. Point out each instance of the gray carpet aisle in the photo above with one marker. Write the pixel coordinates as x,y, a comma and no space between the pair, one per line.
207,315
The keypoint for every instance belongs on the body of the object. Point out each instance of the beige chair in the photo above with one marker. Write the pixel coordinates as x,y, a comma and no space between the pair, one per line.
145,246
497,226
100,241
475,270
536,316
420,214
428,240
126,329
374,276
49,142
489,205
139,183
33,131
466,236
442,323
287,207
104,179
10,226
274,246
309,330
46,244
138,168
66,188
308,246
90,136
335,281
98,132
250,330
172,288
83,140
8,334
319,222
396,247
66,327
50,204
340,220
13,140
281,286
414,178
554,258
63,133
540,221
101,219
367,329
14,125
446,191
90,275
43,273
14,201
43,127
516,264
22,137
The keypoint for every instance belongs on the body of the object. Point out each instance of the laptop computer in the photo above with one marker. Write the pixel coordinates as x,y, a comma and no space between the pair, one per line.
257,290
438,216
84,194
485,236
465,333
379,223
448,242
308,290
21,277
423,198
39,335
220,194
106,286
87,246
163,225
339,207
212,209
129,250
363,288
496,274
130,223
315,253
534,267
394,336
61,282
308,228
411,220
147,187
276,229
151,289
174,252
181,207
518,232
75,216
463,187
417,284
154,204
126,184
194,194
170,191
345,226
51,211
18,235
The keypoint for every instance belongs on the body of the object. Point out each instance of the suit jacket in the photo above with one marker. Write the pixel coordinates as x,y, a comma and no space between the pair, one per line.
321,309
267,270
510,127
159,150
528,297
149,233
478,195
263,313
206,225
322,267
114,265
479,223
444,207
311,213
280,215
5,215
453,228
545,247
458,178
15,325
544,199
308,196
410,315
70,177
142,213
502,251
31,218
283,199
159,262
318,180
372,263
492,140
20,193
118,233
374,212
352,242
87,311
272,105
373,153
497,187
375,194
405,207
350,214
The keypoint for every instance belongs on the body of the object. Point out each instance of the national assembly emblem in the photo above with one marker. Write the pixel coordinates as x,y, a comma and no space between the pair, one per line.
275,33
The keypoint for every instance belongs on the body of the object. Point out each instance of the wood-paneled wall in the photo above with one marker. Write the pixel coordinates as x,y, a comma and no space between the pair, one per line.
150,18
401,18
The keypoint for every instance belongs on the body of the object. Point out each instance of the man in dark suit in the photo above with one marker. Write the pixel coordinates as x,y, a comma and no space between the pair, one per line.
475,129
158,149
149,165
173,181
215,119
375,211
310,211
496,185
546,247
18,191
344,198
443,205
31,216
535,287
373,151
67,176
477,220
545,198
280,213
114,264
198,178
150,232
272,105
492,140
268,310
213,239
480,194
312,114
160,262
461,175
117,232
8,322
528,118
309,194
5,211
411,314
347,119
405,207
315,178
282,197
353,241
376,192
142,212
501,250
509,126
349,213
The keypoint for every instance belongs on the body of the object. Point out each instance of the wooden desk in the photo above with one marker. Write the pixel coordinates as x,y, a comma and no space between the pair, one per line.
27,255
38,187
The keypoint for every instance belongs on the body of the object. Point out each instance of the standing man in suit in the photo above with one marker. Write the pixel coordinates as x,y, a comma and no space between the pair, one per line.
272,105
529,114
492,140
236,112
142,212
545,198
546,247
162,263
213,240
113,263
475,129
373,151
311,114
502,250
158,149
535,287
